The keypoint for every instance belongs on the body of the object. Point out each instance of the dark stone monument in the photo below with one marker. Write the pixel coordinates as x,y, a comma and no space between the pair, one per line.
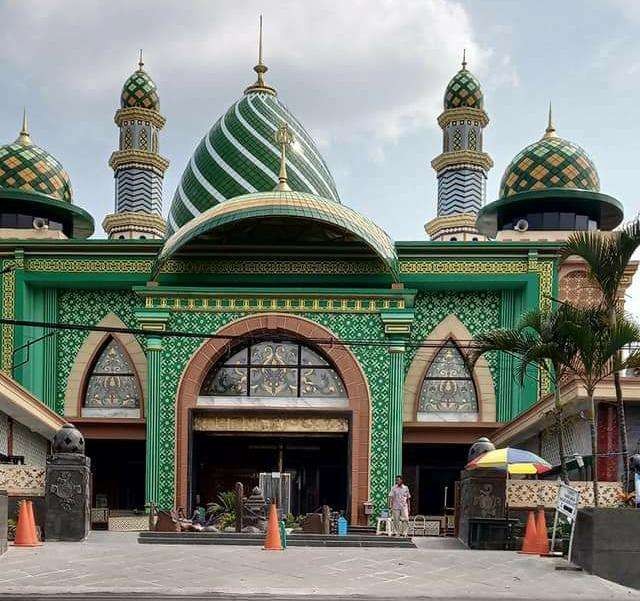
483,523
4,518
67,491
254,510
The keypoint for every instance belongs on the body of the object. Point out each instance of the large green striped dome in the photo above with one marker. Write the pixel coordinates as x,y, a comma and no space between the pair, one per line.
239,156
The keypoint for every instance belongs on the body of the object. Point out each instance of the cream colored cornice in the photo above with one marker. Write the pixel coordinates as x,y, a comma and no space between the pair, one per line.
140,158
462,157
120,222
463,114
136,113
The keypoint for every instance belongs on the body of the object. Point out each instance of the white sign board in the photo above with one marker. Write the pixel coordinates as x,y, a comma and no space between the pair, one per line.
568,499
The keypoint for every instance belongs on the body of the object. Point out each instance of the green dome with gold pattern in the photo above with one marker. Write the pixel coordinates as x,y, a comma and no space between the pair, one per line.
550,163
25,166
140,91
463,91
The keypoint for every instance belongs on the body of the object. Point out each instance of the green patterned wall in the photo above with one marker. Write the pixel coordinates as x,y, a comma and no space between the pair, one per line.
86,307
478,311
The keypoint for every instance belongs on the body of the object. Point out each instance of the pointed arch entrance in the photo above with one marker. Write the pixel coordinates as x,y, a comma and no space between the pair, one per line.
355,412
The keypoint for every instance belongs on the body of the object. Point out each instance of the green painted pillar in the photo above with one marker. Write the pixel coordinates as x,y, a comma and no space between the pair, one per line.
152,414
395,413
154,322
397,329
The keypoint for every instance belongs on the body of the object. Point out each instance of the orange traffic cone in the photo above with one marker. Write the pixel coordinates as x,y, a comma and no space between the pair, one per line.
530,543
26,535
541,532
272,539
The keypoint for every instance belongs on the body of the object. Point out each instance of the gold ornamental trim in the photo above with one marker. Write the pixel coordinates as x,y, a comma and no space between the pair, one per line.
462,157
245,423
138,113
463,114
119,222
286,304
462,221
138,158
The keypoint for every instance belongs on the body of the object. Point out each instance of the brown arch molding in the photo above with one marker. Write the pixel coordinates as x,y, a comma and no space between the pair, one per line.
297,328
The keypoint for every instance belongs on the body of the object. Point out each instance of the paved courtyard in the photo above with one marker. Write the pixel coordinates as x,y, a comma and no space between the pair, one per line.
116,563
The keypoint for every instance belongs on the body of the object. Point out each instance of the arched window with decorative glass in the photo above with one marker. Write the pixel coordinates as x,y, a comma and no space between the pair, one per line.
112,386
448,390
274,369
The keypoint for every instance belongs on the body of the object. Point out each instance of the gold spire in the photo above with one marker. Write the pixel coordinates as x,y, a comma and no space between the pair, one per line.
284,139
140,61
260,69
23,137
464,59
550,132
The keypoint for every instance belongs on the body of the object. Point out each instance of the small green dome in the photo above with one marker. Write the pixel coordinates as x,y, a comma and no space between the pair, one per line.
463,91
140,91
27,167
550,163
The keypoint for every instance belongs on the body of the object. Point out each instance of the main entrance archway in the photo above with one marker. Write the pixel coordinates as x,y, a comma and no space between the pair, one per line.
356,410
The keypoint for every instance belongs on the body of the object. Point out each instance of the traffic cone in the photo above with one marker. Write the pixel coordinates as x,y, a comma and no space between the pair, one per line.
26,535
272,539
530,543
541,532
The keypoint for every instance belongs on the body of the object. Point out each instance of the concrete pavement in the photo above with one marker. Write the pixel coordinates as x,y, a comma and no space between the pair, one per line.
114,563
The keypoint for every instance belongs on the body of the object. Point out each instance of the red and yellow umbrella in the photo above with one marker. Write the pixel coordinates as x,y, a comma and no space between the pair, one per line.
515,461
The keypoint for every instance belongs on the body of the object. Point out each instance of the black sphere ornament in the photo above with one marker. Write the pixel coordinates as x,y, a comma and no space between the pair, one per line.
480,446
68,439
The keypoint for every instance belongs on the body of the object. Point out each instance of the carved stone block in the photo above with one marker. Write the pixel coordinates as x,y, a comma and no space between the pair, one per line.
67,497
4,517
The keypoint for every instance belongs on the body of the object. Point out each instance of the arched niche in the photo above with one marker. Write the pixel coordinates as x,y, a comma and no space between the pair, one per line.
449,329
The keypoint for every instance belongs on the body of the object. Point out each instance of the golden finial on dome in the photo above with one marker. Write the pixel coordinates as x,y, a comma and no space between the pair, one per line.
464,59
23,137
260,69
284,139
140,61
550,132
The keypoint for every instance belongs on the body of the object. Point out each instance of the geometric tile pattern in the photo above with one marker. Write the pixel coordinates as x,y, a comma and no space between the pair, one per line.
29,167
239,156
463,91
140,90
551,162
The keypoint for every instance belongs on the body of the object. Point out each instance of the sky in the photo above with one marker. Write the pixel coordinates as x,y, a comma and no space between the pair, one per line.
366,77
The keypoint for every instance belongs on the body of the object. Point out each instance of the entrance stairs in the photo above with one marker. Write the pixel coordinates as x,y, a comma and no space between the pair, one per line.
293,540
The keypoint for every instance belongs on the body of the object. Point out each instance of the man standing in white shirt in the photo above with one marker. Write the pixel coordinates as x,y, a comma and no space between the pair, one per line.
399,503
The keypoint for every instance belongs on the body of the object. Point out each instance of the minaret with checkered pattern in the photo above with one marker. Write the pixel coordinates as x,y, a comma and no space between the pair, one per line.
138,167
462,166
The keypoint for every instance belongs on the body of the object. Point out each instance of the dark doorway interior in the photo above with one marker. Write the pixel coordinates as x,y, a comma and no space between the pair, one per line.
317,464
117,473
428,469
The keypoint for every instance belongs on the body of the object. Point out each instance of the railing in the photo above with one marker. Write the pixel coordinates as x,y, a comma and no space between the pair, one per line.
22,480
534,493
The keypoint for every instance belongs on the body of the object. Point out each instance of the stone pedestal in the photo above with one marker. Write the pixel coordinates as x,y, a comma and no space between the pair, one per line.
67,497
4,517
482,499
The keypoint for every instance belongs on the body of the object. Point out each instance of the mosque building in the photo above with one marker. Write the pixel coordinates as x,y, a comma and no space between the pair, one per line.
265,327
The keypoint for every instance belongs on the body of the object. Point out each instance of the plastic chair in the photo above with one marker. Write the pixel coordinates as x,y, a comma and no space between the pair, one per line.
384,526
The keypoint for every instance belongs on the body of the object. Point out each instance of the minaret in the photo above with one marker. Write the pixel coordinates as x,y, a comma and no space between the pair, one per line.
462,167
138,167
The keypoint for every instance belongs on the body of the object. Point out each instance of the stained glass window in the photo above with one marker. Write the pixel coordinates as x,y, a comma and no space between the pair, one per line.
113,382
448,386
274,368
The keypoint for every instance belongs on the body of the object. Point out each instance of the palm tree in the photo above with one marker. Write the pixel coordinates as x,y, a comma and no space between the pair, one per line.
607,256
597,355
539,339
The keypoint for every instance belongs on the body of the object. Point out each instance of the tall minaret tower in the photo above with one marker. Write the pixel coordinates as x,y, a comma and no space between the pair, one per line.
138,168
462,167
